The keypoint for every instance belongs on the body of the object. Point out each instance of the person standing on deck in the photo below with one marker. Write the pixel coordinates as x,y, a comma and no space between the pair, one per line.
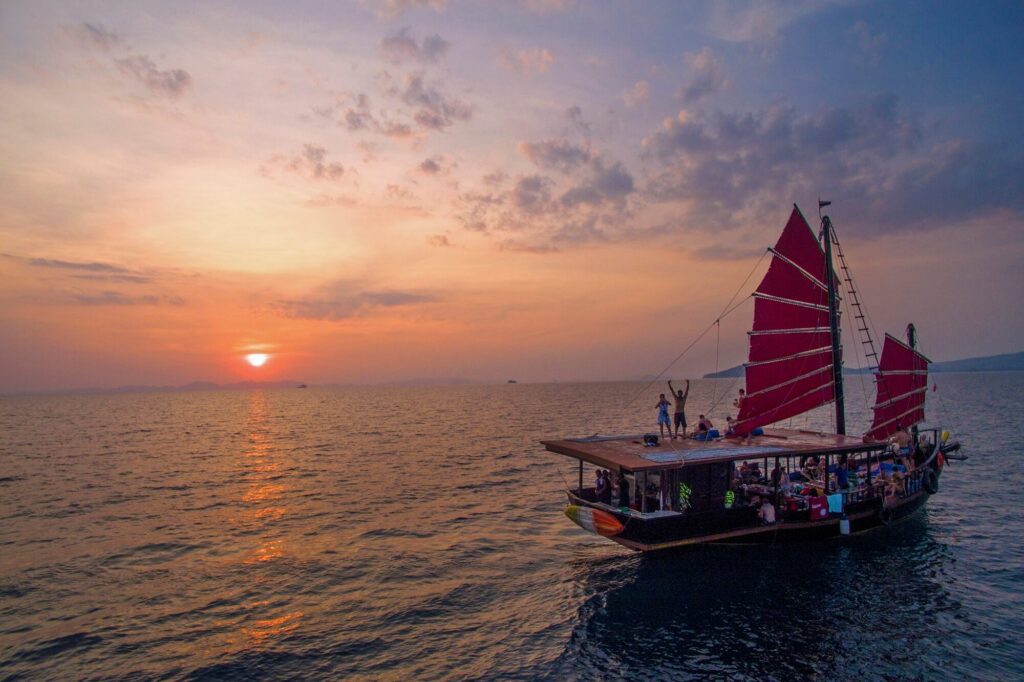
663,420
738,403
680,398
902,439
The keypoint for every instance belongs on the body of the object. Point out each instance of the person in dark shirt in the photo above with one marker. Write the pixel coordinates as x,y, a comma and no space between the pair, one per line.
843,474
606,491
623,490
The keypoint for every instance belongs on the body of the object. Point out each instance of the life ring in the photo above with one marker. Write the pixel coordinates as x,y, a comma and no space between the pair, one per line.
930,481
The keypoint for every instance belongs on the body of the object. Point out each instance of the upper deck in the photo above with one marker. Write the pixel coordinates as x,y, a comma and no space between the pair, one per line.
630,453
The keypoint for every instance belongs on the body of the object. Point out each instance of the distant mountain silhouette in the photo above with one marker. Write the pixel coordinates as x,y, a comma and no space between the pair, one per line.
1009,362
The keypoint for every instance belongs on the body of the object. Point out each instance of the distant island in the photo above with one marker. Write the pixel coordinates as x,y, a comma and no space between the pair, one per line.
1009,362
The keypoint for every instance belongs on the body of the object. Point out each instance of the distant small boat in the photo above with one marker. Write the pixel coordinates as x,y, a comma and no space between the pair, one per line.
302,386
512,381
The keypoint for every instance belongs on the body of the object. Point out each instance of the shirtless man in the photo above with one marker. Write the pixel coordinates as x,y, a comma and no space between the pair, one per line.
902,439
680,398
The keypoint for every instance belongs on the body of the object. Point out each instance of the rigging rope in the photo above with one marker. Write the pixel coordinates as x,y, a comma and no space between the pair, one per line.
725,313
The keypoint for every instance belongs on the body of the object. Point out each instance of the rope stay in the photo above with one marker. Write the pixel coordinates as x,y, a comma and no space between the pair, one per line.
726,311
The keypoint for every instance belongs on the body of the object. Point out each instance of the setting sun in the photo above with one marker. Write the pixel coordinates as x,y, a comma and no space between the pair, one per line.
256,359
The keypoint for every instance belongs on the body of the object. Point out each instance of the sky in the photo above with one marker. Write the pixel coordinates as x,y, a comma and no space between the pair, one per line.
546,190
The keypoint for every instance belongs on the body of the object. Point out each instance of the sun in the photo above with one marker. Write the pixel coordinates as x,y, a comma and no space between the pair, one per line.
256,359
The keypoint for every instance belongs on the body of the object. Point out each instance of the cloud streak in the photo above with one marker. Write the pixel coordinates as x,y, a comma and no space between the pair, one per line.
344,299
169,83
401,47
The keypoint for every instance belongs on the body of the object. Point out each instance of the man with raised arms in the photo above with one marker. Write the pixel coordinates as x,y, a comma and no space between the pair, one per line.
680,398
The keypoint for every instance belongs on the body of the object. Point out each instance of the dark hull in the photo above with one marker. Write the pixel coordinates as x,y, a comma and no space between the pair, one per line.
741,526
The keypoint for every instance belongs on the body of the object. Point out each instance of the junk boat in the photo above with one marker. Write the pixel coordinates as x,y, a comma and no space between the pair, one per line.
821,485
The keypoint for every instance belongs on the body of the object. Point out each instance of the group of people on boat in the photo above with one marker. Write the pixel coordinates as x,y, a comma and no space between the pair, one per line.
705,428
679,418
814,482
603,486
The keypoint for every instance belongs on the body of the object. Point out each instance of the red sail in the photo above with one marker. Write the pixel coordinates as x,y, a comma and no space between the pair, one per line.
790,367
902,383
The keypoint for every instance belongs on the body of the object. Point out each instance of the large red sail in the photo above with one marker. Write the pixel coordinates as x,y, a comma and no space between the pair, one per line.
902,383
790,367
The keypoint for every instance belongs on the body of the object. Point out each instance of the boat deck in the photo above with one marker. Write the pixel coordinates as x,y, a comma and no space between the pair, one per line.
630,453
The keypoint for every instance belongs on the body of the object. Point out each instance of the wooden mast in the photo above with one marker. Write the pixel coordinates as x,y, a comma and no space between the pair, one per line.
833,317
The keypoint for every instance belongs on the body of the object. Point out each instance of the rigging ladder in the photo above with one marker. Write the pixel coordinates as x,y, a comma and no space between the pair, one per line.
863,328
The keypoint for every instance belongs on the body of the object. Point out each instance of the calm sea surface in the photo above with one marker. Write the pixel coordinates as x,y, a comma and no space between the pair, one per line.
417,533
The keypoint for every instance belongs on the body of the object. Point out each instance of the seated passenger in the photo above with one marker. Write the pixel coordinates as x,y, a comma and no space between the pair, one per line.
767,512
731,426
704,424
623,490
922,451
606,492
842,474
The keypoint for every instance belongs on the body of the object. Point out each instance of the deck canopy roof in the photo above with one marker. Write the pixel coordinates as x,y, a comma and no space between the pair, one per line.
629,452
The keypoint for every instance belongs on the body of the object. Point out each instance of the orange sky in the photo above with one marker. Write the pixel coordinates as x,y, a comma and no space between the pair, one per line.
380,192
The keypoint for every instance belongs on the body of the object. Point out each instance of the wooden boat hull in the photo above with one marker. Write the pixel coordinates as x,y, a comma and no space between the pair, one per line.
741,526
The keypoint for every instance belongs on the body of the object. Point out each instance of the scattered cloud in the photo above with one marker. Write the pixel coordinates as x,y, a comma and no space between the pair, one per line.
555,154
438,240
706,76
758,21
311,163
430,167
331,200
391,9
116,298
344,299
870,44
397,193
401,47
728,169
606,183
528,62
92,266
434,109
422,108
436,165
123,279
638,94
94,35
575,116
169,83
589,203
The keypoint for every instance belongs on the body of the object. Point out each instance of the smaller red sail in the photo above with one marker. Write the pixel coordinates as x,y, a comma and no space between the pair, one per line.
902,383
790,363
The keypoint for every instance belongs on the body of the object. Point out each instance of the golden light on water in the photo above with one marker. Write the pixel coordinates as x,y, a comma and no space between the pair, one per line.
257,359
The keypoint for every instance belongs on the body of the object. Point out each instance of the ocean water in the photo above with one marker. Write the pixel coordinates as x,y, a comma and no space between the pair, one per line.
417,533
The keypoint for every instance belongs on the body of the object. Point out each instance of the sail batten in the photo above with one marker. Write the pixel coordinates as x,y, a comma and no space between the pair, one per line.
791,301
799,269
790,366
901,385
801,354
